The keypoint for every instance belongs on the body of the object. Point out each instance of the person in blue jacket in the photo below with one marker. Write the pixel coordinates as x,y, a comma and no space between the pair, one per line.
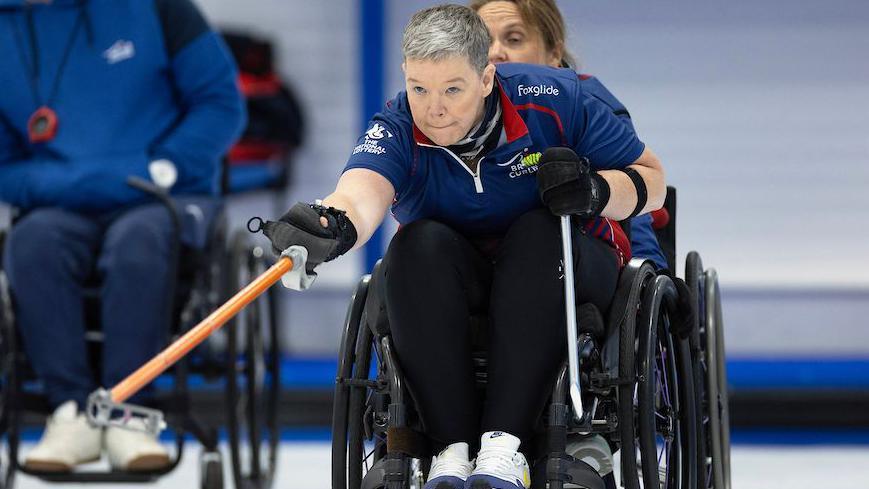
533,31
475,161
95,91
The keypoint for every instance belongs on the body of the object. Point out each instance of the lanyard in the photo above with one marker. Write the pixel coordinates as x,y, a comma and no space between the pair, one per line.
42,124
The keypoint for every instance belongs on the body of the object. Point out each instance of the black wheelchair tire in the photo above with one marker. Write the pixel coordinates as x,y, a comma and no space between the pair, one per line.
655,343
627,372
341,405
9,437
211,470
356,457
717,382
252,405
688,416
694,279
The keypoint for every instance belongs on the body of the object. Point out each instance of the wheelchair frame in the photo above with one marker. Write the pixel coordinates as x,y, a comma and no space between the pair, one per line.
639,372
250,365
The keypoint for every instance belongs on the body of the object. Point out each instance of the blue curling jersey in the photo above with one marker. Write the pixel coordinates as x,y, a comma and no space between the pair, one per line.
542,107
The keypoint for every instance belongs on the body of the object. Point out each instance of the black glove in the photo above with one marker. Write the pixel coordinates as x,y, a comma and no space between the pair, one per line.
301,226
686,316
568,186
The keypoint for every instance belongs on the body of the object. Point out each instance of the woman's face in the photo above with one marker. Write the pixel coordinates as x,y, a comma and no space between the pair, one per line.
513,40
446,97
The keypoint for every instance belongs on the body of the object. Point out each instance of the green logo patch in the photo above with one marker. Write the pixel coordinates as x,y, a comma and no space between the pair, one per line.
531,160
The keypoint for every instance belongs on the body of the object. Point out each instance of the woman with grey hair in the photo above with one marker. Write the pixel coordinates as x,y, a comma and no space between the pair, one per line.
534,32
457,158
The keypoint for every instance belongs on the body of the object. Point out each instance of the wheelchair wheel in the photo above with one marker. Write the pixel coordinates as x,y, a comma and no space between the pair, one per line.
658,436
641,277
253,375
658,395
365,409
360,458
707,345
350,392
210,470
688,414
717,384
694,278
8,422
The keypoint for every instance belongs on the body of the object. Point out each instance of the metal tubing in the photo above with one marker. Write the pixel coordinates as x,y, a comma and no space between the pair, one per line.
570,310
174,352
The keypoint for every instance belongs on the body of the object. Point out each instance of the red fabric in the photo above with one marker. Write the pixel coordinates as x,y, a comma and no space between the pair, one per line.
621,243
612,233
660,218
549,111
420,137
254,86
514,126
255,151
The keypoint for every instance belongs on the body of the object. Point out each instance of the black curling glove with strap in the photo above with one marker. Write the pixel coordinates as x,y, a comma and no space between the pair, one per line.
301,226
568,186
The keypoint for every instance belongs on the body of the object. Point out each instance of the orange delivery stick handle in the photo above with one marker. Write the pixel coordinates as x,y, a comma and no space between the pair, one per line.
174,352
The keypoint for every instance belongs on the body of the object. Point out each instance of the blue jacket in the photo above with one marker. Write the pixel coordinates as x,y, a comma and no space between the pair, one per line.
644,243
142,80
542,107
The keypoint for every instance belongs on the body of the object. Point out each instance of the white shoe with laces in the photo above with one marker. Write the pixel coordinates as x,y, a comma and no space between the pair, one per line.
68,441
134,451
500,465
450,468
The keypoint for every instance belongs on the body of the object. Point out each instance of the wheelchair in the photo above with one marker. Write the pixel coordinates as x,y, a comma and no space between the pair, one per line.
710,375
640,381
245,358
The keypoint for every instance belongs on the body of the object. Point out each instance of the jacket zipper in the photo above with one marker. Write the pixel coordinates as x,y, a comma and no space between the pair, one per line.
478,182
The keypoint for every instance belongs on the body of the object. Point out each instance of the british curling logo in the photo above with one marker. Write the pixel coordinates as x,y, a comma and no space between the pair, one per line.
538,90
525,166
532,159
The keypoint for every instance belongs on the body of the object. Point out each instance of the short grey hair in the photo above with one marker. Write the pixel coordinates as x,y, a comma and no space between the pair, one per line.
447,31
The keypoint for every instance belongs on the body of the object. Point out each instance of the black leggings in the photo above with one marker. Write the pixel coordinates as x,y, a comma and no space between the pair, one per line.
436,279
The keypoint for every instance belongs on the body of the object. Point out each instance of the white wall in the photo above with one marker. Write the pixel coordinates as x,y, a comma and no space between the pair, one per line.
317,53
761,114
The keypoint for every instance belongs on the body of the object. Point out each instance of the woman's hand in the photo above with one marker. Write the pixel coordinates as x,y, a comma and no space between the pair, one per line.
324,231
568,186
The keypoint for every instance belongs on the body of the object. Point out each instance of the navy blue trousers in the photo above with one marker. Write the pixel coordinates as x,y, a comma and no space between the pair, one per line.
51,255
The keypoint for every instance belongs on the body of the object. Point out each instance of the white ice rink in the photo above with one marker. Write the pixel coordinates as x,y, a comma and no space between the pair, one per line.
305,465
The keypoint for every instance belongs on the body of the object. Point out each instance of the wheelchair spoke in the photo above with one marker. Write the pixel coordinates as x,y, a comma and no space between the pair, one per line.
380,443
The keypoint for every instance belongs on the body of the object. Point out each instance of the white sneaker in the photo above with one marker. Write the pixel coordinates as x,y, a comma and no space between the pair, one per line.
594,451
499,464
68,440
450,468
134,450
